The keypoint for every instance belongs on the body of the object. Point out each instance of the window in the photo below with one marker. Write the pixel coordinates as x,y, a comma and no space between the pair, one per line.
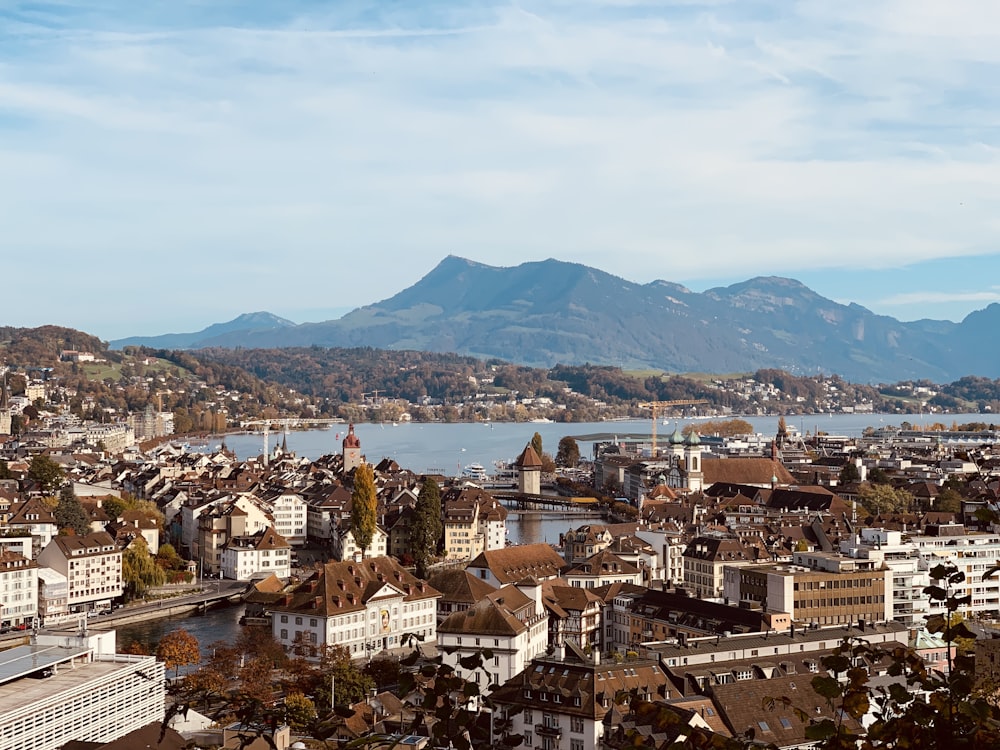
528,719
527,739
312,622
284,618
576,725
576,745
763,726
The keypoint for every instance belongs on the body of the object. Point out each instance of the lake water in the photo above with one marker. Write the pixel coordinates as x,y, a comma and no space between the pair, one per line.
449,447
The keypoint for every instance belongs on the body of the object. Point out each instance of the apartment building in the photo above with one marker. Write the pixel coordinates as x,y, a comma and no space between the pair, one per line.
92,565
18,591
820,588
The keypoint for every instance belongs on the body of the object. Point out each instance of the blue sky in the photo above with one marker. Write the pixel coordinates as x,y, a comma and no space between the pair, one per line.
166,166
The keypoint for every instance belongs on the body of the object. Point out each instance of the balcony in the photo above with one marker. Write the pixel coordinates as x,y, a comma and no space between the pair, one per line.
544,730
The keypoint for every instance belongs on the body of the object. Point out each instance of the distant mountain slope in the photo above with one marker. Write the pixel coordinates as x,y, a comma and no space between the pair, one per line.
550,312
258,321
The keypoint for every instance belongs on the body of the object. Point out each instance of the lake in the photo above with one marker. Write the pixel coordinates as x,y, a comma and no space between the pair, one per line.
447,448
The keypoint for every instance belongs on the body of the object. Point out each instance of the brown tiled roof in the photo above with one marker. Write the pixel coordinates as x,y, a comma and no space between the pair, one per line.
741,705
528,459
744,471
90,544
460,586
601,563
513,564
340,587
495,614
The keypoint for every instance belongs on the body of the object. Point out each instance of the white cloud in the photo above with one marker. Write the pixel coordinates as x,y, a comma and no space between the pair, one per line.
684,140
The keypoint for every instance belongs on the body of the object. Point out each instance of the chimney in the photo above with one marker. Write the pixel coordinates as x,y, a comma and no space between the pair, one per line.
596,653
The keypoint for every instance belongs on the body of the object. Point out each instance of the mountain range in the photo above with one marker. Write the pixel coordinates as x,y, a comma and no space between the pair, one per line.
548,312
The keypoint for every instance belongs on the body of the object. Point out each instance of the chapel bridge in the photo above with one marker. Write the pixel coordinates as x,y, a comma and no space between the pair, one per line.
521,501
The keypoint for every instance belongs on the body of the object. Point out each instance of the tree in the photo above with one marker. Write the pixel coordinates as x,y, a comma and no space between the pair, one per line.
69,513
568,454
948,501
849,474
299,711
880,499
363,507
922,709
46,473
536,444
177,649
140,570
425,534
114,507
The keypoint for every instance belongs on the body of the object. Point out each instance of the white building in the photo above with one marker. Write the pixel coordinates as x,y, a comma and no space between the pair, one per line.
512,623
258,555
345,548
92,565
53,597
18,591
291,519
971,553
910,576
75,688
365,606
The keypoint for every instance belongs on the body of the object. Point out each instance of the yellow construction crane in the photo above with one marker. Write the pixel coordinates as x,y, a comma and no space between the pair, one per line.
655,405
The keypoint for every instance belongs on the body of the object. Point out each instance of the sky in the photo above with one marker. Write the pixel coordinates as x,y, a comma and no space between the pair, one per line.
165,166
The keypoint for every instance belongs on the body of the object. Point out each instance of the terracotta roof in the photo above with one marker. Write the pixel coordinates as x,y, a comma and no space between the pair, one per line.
350,439
495,614
528,459
602,563
340,587
458,585
744,471
512,564
90,544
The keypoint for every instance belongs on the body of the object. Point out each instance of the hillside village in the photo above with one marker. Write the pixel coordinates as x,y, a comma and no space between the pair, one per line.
725,566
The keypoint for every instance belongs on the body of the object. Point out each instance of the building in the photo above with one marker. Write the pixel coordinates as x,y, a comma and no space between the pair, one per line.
529,471
291,516
66,688
92,565
514,564
351,449
257,555
366,607
511,623
818,587
909,573
559,702
53,597
18,591
345,548
601,569
35,517
706,556
459,589
473,522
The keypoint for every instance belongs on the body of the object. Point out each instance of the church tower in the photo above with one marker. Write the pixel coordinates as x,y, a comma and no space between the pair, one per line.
5,414
352,450
692,462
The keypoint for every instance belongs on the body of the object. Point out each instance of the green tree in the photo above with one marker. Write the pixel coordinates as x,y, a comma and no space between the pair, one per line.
177,649
363,507
140,571
536,444
879,499
948,501
849,474
568,453
114,507
425,534
46,473
69,513
299,711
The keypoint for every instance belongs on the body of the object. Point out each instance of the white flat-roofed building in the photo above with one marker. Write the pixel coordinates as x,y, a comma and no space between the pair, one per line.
18,590
53,597
65,688
92,565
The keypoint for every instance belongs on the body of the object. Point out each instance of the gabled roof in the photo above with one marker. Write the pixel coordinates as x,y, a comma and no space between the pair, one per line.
528,459
460,586
512,564
602,563
495,614
753,471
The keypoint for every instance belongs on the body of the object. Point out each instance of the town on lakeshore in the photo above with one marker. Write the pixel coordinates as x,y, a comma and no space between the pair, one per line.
700,592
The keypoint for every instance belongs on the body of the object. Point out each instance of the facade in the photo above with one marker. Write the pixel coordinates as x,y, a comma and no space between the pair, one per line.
258,555
910,575
53,597
559,702
601,569
971,553
92,565
345,548
290,513
820,588
90,694
36,518
473,522
18,591
704,560
366,607
509,622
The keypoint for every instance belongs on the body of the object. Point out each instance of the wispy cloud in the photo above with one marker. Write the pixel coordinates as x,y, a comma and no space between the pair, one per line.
933,298
679,140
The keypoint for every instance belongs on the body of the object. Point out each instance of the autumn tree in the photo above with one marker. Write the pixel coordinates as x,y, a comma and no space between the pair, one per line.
300,711
140,571
363,507
881,499
425,534
177,649
46,473
69,513
568,454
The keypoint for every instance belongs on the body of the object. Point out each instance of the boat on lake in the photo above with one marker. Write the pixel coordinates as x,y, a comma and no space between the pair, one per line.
475,472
